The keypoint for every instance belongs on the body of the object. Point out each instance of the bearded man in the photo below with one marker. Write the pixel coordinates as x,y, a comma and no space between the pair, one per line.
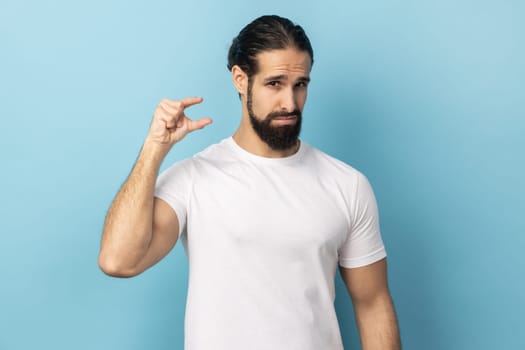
265,219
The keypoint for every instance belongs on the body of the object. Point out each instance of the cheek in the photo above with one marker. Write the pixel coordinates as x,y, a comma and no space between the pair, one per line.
301,99
264,102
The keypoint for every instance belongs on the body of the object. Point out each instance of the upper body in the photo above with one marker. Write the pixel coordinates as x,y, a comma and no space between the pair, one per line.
264,237
265,218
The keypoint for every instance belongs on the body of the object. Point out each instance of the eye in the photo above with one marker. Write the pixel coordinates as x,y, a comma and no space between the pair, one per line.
274,83
301,84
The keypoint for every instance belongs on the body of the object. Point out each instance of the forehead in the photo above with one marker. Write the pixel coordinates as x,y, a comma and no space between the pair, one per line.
288,61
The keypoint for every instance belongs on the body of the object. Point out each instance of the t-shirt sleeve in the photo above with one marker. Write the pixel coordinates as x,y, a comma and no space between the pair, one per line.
173,186
364,244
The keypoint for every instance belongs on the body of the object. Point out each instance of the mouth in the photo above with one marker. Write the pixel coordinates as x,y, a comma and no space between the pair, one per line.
292,119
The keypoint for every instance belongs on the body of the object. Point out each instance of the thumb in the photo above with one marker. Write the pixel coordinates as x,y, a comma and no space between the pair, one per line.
199,124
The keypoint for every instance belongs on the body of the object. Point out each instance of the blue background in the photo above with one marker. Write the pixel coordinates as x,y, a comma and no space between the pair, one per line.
425,97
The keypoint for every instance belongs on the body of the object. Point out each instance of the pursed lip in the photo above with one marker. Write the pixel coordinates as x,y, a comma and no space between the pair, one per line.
285,120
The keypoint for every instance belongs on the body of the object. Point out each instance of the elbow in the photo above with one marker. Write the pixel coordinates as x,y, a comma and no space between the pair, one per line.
381,300
112,268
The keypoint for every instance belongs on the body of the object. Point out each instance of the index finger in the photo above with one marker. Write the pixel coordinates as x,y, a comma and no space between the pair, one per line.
190,101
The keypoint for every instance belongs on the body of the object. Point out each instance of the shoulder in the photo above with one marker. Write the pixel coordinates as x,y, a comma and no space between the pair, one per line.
213,153
327,163
214,159
221,150
342,177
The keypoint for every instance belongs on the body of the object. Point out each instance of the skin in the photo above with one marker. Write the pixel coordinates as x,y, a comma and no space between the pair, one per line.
373,307
280,85
140,230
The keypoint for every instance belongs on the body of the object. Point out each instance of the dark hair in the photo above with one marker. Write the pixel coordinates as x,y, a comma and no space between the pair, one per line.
264,34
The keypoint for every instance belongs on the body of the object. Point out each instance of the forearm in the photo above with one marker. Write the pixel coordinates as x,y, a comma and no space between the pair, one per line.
128,226
377,324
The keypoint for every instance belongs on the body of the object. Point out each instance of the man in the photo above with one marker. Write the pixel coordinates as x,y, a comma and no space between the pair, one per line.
264,218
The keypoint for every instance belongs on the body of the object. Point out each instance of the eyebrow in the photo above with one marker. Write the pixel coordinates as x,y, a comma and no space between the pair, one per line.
284,77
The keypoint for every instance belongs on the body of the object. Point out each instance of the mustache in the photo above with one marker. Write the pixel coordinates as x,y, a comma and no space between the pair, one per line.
295,113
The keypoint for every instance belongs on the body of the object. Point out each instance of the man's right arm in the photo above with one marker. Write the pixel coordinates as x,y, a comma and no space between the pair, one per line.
140,229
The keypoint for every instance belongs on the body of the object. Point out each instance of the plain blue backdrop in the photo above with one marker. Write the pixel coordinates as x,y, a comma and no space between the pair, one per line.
425,97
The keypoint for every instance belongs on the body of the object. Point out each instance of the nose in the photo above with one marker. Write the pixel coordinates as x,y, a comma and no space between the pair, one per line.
288,100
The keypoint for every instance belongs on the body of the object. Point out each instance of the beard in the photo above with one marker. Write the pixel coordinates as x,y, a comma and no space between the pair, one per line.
279,138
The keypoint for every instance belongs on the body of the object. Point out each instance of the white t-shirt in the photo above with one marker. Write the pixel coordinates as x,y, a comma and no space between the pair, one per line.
263,238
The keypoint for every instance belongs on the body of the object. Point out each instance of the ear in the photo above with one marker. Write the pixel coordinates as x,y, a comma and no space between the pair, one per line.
240,80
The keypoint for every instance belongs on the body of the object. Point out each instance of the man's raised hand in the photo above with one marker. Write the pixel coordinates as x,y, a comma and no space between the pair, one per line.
170,123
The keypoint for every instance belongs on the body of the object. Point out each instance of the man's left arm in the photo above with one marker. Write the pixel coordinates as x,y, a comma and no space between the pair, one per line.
373,307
